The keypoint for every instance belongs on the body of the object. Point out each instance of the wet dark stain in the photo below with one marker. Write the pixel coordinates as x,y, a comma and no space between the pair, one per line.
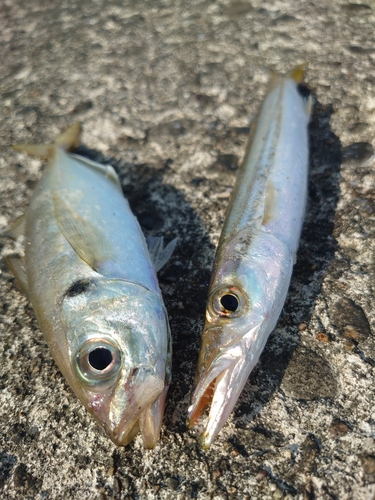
355,7
309,451
239,130
284,18
7,462
358,127
197,181
171,129
238,446
350,320
226,162
357,49
280,483
368,464
238,9
357,151
337,268
24,480
339,428
203,99
308,376
82,107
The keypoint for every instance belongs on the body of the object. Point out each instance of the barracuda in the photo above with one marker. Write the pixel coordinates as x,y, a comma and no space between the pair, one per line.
256,253
92,282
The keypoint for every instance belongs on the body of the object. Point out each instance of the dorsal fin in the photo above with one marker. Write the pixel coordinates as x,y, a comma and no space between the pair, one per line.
66,141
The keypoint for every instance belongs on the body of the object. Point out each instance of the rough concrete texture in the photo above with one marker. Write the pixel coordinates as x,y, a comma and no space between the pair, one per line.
165,91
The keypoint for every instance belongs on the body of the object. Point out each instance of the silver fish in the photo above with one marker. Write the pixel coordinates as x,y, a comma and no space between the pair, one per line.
256,253
88,273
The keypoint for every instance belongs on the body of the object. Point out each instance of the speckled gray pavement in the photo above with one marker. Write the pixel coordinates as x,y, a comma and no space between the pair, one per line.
165,91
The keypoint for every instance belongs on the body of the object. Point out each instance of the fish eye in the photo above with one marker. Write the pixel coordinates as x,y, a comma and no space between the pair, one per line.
100,358
227,302
98,361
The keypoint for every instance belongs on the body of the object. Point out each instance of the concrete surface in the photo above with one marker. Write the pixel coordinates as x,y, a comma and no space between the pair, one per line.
165,91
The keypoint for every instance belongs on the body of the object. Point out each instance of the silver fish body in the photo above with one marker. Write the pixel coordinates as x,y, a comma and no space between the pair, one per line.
256,253
88,274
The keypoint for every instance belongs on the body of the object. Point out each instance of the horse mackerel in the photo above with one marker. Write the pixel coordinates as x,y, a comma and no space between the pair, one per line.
91,279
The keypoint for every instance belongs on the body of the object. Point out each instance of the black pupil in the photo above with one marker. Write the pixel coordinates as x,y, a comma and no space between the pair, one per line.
100,358
229,302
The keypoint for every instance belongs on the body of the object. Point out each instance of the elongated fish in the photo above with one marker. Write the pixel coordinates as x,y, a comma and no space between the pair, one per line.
89,275
256,252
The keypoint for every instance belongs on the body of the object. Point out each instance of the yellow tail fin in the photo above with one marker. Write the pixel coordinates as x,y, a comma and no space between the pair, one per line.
298,72
68,140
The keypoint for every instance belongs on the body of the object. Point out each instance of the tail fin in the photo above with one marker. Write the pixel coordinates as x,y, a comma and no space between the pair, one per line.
298,72
67,140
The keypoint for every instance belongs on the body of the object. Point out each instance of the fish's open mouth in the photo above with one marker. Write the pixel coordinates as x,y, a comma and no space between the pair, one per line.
141,409
219,387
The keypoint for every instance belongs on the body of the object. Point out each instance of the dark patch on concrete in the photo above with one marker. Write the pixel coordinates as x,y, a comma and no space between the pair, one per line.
357,49
226,161
350,320
284,19
355,7
7,462
358,128
339,428
24,481
368,464
357,151
81,107
171,129
237,9
309,451
308,376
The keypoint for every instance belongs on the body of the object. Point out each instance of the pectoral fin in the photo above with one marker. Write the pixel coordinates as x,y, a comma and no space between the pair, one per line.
87,241
158,253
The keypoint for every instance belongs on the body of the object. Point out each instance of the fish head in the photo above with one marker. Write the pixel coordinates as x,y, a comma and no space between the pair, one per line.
119,345
241,312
